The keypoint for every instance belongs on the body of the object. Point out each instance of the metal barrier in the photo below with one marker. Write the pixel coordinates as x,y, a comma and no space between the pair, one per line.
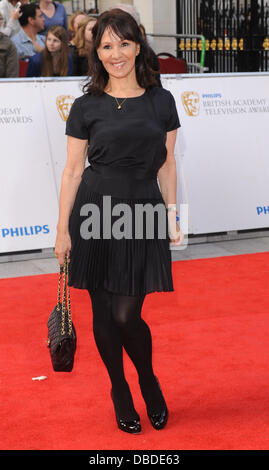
196,42
236,32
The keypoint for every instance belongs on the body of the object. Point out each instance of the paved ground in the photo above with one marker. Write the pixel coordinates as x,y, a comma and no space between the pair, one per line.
45,262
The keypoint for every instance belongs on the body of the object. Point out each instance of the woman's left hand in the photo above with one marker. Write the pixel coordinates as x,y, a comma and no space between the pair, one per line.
175,233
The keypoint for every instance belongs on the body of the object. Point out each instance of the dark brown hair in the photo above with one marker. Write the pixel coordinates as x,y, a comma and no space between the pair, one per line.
47,65
125,27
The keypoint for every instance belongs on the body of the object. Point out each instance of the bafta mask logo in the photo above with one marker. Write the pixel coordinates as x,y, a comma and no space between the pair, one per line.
190,100
64,103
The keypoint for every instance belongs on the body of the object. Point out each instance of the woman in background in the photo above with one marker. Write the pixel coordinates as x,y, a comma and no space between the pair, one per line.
54,60
81,47
54,14
73,23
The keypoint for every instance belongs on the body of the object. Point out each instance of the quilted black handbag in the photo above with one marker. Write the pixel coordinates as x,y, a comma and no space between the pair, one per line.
62,339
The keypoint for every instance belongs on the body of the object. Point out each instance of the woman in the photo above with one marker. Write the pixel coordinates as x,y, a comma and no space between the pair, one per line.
80,49
54,60
54,14
154,63
73,23
128,125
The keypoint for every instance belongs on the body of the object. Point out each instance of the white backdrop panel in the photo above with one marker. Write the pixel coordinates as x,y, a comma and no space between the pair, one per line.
221,152
29,209
224,150
57,99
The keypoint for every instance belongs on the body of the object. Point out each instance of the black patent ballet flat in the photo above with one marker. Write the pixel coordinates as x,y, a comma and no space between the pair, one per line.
159,420
131,426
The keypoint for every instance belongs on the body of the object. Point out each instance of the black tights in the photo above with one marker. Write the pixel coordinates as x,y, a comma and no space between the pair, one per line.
117,323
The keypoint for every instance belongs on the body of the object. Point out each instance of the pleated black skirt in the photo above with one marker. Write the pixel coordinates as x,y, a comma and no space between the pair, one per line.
126,266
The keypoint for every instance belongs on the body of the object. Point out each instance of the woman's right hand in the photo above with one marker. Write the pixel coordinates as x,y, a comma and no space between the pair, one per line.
62,247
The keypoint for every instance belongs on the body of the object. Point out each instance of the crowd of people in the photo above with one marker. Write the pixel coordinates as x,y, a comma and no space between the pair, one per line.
39,40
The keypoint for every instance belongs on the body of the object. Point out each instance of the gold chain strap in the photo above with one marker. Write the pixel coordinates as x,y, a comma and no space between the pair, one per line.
68,303
64,301
64,270
59,288
66,295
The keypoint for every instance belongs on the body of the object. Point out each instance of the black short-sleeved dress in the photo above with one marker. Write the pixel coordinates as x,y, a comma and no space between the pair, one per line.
112,246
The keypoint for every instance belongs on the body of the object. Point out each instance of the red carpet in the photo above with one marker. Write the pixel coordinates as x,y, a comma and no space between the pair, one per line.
212,363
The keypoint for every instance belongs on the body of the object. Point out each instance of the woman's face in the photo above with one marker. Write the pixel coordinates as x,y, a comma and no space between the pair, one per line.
117,55
77,21
88,31
53,43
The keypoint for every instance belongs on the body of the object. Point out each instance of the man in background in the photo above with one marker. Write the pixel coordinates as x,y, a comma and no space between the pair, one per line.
27,41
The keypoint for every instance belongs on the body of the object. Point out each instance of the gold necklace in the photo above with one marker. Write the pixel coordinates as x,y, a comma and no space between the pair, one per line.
120,104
